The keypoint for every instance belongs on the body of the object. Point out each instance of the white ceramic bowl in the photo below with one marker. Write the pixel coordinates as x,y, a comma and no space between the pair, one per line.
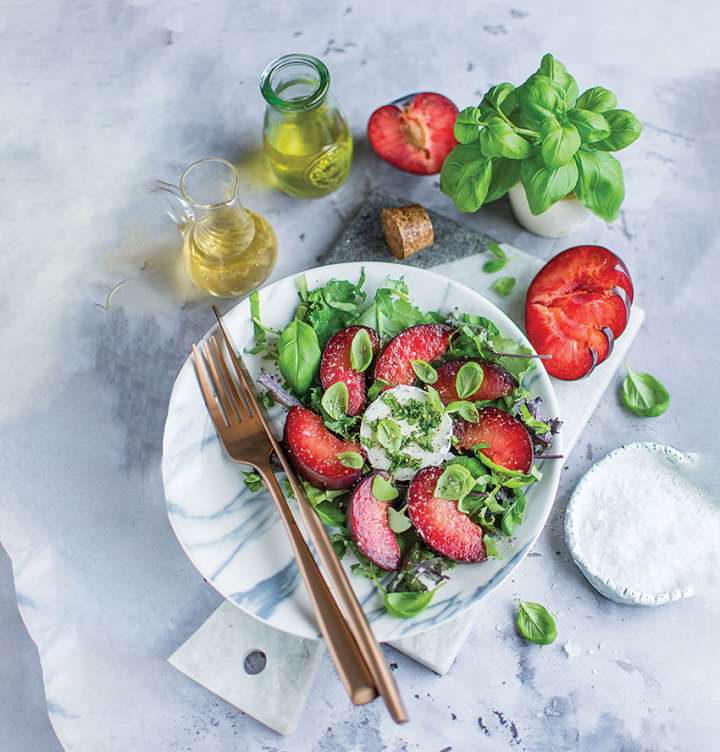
235,538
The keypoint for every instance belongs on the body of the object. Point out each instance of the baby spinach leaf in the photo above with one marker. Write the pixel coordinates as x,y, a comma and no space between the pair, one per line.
424,371
644,394
298,355
466,410
503,286
455,483
535,624
331,307
467,125
546,185
625,128
559,143
383,490
361,351
499,139
351,459
389,434
335,400
469,379
398,520
591,126
407,605
600,184
597,99
505,174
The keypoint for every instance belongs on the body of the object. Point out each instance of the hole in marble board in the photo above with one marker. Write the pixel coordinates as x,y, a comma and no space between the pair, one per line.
255,662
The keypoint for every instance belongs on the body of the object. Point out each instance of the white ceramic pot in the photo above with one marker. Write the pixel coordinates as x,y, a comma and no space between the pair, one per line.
562,218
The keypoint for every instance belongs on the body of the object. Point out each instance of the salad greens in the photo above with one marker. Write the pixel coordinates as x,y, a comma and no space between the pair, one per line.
535,623
644,394
492,496
546,136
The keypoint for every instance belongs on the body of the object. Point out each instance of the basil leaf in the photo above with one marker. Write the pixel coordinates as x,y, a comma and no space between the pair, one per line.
424,371
407,605
535,624
455,483
496,250
596,99
361,351
503,286
389,434
591,126
467,125
558,74
505,174
377,386
500,98
298,355
252,480
545,186
644,394
496,264
625,128
499,139
335,400
513,516
472,185
600,184
434,402
540,97
469,379
398,520
460,156
559,143
491,547
466,410
351,459
383,490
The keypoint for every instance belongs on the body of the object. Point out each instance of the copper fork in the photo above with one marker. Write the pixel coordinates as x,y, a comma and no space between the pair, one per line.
245,440
369,647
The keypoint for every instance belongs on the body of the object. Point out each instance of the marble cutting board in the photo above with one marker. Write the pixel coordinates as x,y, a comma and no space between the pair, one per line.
225,653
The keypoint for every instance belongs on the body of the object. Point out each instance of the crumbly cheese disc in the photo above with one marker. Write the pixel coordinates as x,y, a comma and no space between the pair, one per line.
434,440
641,529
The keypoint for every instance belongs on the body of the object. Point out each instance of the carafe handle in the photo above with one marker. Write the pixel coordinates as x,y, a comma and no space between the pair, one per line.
176,207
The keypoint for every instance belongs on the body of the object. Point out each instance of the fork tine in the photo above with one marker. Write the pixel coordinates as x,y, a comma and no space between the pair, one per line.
207,391
231,413
242,409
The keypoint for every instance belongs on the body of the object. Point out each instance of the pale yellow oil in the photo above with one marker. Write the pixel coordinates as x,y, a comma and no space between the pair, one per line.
228,254
309,152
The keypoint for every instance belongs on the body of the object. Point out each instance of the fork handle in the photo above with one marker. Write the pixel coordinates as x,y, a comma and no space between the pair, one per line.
346,655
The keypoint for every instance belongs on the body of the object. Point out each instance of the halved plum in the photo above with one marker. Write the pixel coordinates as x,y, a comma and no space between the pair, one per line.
414,133
422,342
497,382
508,441
313,450
577,305
439,522
367,519
336,366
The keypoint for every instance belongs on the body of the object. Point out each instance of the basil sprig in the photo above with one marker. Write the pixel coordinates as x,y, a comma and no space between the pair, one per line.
644,394
535,623
547,137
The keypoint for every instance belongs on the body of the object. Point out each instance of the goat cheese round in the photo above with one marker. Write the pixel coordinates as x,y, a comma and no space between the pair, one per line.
404,430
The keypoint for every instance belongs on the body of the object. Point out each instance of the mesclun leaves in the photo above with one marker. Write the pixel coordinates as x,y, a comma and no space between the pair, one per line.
644,394
298,355
383,489
469,379
351,459
466,410
335,400
539,133
252,480
503,286
535,624
424,371
407,605
361,350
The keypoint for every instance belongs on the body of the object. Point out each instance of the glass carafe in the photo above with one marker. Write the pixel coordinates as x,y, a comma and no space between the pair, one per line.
228,249
306,138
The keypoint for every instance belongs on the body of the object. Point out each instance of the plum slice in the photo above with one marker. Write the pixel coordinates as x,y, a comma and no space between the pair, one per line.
496,383
336,366
508,441
439,522
577,305
367,519
313,450
421,342
414,133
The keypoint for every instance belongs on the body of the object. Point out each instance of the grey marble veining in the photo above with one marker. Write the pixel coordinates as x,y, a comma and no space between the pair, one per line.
101,97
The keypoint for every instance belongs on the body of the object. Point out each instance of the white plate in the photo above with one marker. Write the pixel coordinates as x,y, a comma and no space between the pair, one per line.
235,538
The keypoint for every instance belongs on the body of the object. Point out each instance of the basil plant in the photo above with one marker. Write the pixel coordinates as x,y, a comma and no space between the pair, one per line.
547,137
